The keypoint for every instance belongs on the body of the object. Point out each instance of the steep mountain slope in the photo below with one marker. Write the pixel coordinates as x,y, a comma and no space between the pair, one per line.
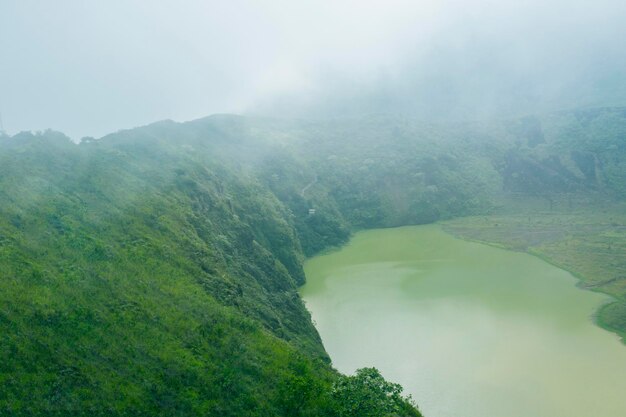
154,271
140,277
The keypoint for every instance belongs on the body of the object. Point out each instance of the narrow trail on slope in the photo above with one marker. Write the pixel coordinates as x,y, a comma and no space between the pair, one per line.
309,185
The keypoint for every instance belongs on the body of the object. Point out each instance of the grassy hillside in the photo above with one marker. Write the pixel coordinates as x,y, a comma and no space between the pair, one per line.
155,271
145,276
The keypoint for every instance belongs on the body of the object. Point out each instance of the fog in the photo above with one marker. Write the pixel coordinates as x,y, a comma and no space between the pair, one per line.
93,67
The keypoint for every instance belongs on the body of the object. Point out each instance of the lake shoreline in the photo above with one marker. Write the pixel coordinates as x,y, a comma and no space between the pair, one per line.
381,300
582,281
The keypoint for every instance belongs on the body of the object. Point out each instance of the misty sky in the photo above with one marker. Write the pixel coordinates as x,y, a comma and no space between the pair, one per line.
93,67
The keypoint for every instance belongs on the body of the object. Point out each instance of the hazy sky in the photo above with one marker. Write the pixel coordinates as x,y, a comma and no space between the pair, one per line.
92,67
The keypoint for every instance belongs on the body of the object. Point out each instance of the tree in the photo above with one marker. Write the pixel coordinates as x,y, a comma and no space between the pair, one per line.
367,394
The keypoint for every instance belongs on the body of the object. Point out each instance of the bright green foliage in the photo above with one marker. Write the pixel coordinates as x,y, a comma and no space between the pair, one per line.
155,271
367,394
142,276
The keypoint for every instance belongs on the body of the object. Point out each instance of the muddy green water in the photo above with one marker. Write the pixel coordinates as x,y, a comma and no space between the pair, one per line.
469,330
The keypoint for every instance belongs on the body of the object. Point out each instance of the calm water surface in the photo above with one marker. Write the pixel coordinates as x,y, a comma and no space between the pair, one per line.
469,330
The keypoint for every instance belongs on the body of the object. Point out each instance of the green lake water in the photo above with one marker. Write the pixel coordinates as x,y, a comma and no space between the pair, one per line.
469,330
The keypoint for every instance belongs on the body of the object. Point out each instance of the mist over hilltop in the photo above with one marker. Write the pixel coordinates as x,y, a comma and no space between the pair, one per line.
91,68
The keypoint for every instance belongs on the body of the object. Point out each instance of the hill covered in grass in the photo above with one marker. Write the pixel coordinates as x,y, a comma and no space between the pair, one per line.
151,273
155,271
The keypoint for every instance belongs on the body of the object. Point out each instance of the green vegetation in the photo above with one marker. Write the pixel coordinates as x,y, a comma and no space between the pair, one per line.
155,271
590,244
367,394
143,275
